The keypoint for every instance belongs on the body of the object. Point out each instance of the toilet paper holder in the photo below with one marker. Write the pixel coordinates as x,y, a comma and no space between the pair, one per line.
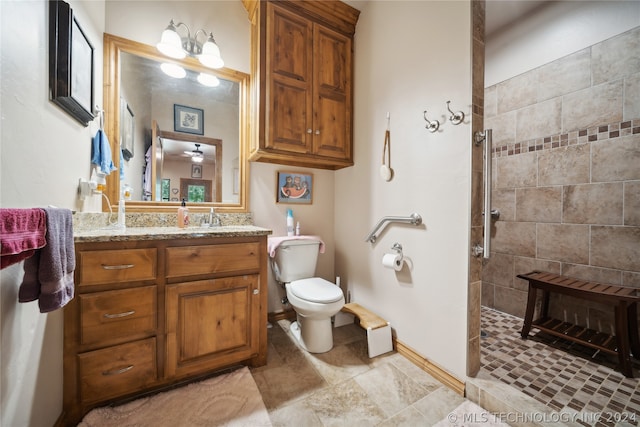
398,248
395,260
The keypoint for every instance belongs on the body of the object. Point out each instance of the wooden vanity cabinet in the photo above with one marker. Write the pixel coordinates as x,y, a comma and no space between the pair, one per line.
302,74
150,314
212,321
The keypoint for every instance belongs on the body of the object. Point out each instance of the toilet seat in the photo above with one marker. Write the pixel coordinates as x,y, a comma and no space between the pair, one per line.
316,289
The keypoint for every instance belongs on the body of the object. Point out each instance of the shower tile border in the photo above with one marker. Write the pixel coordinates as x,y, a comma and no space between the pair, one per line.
565,139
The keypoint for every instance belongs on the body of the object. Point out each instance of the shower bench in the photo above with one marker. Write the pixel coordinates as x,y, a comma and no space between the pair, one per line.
624,300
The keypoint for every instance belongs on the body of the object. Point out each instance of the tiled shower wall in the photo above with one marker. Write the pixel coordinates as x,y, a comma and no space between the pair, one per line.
478,12
566,177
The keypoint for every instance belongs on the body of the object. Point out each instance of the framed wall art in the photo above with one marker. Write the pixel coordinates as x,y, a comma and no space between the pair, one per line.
188,120
126,129
196,170
70,63
294,187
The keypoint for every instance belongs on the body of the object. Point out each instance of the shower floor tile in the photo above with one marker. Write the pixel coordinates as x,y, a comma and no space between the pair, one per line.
564,376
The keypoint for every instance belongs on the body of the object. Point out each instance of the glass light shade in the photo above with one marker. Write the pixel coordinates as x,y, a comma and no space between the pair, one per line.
210,56
198,159
208,80
173,70
171,43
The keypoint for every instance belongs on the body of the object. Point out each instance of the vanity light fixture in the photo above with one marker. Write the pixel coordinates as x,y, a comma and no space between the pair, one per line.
208,80
176,46
173,70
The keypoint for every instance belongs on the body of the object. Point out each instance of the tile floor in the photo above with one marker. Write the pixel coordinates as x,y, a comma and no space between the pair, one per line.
344,387
562,376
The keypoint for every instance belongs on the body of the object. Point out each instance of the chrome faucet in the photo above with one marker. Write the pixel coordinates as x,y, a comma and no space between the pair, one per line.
214,219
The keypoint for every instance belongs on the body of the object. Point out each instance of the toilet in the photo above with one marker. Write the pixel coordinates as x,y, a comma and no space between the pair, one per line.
314,299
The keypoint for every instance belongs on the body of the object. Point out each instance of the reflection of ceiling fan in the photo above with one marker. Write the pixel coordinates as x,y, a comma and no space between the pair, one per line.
196,155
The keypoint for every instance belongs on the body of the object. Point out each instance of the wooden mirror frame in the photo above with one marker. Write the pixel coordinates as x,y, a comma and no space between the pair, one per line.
113,46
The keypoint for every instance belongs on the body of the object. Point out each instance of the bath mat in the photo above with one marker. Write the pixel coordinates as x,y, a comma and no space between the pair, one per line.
230,400
468,414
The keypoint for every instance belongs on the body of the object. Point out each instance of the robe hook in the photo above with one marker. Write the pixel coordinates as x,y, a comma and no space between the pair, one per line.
432,126
455,118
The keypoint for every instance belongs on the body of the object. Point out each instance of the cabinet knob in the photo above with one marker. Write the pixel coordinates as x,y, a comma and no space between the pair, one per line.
256,291
309,131
317,131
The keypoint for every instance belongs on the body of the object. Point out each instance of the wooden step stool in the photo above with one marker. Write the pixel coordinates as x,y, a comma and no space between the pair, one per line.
378,329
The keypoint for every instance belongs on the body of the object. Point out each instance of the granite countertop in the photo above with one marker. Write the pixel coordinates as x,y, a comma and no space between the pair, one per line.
94,227
112,234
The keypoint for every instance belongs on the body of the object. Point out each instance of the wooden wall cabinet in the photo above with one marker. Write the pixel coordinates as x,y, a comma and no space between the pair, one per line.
152,314
302,72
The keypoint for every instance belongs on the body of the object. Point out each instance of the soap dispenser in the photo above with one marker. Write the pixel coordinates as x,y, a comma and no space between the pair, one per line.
121,214
183,215
121,210
289,222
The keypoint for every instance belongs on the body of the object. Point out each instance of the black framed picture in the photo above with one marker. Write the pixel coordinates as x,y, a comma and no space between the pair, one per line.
188,120
70,63
127,128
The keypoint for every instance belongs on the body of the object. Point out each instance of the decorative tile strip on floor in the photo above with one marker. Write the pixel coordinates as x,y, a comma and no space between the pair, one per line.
564,376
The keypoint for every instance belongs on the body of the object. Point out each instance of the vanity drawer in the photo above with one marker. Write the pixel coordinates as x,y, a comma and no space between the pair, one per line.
208,259
116,371
114,266
114,316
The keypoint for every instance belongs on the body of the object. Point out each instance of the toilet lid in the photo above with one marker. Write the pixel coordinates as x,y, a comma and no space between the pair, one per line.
316,289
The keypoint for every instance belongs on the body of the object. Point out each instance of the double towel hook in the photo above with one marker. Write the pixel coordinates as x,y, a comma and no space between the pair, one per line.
432,126
455,118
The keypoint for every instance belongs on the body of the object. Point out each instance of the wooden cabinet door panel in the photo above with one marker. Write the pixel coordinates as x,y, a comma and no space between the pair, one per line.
332,64
289,117
289,48
332,94
289,72
332,119
211,323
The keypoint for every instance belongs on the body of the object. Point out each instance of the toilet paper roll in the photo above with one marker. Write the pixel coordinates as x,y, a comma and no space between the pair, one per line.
393,261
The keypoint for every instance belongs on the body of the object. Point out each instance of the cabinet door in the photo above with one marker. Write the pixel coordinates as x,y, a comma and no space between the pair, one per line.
211,323
332,93
289,62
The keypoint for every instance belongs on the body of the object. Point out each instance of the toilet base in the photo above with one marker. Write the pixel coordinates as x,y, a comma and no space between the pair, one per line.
314,335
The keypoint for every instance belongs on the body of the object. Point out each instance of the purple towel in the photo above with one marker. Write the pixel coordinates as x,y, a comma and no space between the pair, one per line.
48,275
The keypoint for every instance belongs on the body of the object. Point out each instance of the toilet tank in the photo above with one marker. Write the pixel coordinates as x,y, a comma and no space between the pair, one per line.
295,259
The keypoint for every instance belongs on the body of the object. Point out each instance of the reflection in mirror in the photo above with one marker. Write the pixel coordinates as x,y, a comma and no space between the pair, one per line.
195,151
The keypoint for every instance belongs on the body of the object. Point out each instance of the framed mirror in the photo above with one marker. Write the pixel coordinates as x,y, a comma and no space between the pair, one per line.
182,132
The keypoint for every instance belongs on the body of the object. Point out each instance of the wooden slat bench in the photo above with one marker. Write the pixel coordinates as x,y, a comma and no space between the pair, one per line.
623,299
378,329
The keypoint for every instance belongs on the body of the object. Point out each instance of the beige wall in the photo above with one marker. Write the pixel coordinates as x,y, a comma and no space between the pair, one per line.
567,176
43,154
404,73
